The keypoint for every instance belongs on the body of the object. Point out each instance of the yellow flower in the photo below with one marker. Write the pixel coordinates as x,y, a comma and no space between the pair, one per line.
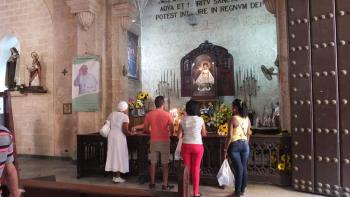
283,158
131,104
205,118
142,95
281,166
138,104
223,129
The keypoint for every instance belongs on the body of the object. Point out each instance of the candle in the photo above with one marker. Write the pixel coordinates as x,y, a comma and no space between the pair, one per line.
174,81
163,76
171,77
177,87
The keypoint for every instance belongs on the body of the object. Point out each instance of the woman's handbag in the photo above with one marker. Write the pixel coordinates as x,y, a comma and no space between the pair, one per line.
106,128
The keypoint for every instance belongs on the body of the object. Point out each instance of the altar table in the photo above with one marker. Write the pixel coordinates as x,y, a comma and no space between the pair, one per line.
92,151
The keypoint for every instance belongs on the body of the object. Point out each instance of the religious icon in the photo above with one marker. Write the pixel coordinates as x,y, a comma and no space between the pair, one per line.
203,77
205,80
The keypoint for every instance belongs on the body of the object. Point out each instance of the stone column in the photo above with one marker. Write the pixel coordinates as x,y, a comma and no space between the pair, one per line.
282,51
278,9
123,15
86,12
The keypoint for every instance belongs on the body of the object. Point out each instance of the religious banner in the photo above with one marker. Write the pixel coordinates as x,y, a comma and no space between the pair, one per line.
85,83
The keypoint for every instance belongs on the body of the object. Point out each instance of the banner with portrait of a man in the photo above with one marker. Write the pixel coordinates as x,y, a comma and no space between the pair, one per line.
85,83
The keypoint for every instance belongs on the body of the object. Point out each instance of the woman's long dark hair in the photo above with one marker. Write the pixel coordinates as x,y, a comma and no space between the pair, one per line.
241,106
193,108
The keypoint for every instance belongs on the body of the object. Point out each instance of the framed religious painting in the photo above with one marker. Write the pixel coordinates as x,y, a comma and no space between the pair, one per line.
67,108
204,77
133,71
207,72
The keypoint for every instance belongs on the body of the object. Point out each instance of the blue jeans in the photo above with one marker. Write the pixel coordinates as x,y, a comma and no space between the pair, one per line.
238,151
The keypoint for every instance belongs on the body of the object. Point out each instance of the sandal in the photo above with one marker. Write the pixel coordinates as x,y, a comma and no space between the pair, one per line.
167,187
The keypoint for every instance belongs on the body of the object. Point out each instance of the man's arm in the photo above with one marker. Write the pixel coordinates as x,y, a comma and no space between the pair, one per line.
146,125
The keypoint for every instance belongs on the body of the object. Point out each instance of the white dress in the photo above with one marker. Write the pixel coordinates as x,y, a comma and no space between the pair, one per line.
117,148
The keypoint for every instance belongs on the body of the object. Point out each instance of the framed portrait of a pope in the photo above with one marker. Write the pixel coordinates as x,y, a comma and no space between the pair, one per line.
203,77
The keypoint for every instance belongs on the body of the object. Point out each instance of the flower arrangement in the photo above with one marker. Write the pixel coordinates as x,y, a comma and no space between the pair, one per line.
217,117
221,118
138,103
284,163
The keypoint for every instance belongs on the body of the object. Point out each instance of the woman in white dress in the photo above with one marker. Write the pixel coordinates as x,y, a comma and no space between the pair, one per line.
117,151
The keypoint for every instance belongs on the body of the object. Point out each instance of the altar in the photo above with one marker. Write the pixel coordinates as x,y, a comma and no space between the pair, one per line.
268,154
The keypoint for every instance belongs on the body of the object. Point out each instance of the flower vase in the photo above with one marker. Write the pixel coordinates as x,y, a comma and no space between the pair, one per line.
133,112
140,112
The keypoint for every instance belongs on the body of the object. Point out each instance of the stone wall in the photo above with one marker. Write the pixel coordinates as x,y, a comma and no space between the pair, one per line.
31,22
247,30
40,126
50,28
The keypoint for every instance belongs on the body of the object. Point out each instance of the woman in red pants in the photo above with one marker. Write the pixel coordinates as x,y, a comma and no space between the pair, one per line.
191,130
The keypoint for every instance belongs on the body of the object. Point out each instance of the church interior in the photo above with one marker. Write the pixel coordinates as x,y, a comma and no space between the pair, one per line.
66,64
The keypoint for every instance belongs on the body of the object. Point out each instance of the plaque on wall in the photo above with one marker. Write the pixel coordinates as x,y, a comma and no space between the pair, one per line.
207,72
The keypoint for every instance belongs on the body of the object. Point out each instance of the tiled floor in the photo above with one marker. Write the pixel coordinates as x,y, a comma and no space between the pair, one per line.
65,171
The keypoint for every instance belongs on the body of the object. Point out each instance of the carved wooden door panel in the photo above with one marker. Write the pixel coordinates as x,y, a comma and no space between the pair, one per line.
325,94
301,95
319,42
343,48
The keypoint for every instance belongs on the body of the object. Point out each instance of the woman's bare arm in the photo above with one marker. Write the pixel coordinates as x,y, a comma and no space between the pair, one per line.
204,130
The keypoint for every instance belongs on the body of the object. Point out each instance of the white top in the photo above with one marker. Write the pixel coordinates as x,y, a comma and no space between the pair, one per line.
192,127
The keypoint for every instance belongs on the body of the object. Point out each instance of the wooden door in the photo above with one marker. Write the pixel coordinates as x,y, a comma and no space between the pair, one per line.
319,51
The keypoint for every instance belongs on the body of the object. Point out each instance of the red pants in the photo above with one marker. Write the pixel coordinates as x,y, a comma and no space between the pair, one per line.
192,155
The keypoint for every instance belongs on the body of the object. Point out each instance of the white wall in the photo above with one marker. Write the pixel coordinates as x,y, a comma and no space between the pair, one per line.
248,34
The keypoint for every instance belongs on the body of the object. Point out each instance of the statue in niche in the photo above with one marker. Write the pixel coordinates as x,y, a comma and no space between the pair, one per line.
35,75
34,71
12,69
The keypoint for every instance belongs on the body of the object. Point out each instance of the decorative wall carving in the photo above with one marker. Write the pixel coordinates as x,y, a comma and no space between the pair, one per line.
85,11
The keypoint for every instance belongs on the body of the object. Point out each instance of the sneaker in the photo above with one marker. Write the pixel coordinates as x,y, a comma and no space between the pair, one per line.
167,187
118,180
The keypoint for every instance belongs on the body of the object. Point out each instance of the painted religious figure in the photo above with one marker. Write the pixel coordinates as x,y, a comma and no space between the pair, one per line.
205,80
203,77
12,69
34,71
86,81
